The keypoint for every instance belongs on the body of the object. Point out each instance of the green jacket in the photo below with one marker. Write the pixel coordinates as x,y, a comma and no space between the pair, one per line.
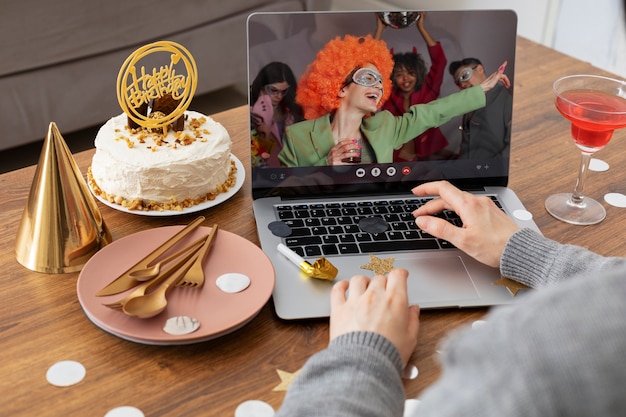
307,143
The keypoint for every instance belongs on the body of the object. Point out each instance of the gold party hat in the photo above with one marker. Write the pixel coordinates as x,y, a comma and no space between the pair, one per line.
61,226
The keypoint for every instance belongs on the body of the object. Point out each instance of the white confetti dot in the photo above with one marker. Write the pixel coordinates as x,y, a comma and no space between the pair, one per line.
522,215
616,199
598,165
232,282
254,408
65,373
478,323
410,406
124,411
181,325
410,372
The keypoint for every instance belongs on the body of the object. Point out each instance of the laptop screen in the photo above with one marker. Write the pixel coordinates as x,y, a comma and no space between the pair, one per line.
435,54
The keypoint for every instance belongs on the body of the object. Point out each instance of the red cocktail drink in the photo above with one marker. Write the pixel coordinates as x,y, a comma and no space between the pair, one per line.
594,115
595,107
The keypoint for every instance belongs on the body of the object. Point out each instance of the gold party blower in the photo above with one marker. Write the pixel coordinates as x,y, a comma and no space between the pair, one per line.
321,268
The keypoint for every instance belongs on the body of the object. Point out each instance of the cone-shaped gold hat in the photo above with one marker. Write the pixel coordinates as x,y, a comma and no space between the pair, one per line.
61,225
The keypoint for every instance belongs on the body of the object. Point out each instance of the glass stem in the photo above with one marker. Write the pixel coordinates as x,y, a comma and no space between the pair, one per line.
578,194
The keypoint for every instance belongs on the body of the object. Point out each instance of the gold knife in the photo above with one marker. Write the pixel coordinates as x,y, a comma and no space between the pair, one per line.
125,281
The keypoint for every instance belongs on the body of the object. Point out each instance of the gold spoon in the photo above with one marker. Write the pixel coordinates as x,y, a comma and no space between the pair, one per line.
151,304
125,282
147,286
152,271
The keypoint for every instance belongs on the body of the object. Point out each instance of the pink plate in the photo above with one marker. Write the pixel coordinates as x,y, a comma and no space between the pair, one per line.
219,312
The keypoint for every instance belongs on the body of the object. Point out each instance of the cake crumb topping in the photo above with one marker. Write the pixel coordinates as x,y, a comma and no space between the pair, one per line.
157,136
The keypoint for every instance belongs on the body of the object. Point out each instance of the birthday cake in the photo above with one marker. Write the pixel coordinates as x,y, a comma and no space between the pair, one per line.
158,155
145,170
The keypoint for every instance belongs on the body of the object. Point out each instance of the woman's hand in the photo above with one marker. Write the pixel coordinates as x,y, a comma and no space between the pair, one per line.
497,77
380,28
257,122
345,149
379,305
420,21
486,229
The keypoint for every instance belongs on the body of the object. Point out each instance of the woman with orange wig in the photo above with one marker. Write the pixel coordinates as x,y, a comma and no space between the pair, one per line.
341,93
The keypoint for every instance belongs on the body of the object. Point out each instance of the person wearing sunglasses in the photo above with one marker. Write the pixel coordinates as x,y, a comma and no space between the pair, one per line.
341,94
415,83
486,132
274,107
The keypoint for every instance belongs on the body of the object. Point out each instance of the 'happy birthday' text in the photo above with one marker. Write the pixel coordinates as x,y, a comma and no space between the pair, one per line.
149,86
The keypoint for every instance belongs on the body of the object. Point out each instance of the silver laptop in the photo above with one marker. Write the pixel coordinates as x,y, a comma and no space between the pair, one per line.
359,214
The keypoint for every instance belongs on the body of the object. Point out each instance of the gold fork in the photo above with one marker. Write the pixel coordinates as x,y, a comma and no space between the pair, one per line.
195,276
147,286
126,281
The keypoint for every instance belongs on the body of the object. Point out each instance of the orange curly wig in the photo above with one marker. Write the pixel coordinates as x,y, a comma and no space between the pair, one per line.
326,75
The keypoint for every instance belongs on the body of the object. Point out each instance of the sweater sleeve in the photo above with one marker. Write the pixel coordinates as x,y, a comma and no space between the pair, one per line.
537,261
357,375
432,85
557,352
419,118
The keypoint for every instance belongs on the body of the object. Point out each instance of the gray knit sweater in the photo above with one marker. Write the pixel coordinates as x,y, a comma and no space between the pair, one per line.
559,351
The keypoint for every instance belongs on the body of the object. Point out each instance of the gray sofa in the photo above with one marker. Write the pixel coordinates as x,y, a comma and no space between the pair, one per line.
61,58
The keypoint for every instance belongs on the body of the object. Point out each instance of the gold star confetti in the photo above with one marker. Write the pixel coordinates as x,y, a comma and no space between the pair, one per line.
378,265
512,286
286,379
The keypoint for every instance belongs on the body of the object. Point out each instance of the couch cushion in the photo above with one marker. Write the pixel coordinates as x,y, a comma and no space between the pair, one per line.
62,31
81,93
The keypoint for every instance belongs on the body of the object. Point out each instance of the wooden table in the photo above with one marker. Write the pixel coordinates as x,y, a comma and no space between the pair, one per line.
41,321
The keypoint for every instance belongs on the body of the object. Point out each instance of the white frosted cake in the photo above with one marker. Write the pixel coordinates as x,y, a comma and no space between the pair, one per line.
141,169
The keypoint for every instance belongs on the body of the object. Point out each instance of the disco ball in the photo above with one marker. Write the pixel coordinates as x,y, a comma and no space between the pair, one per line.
399,20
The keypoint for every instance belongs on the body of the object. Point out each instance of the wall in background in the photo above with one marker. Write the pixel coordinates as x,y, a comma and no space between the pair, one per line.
596,34
590,31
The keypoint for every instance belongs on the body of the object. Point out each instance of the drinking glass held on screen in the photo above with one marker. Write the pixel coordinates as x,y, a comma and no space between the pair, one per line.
355,154
595,106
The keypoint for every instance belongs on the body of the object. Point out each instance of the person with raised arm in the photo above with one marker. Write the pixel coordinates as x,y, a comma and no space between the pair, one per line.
415,83
341,94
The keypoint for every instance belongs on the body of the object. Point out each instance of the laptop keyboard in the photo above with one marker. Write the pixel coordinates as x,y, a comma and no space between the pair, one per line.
327,229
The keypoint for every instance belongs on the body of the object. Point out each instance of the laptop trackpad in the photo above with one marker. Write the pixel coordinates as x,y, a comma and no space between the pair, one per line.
436,279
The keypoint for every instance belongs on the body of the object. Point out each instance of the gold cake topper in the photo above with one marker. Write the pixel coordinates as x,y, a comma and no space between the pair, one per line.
136,88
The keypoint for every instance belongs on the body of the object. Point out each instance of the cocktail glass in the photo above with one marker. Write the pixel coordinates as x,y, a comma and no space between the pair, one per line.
596,107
